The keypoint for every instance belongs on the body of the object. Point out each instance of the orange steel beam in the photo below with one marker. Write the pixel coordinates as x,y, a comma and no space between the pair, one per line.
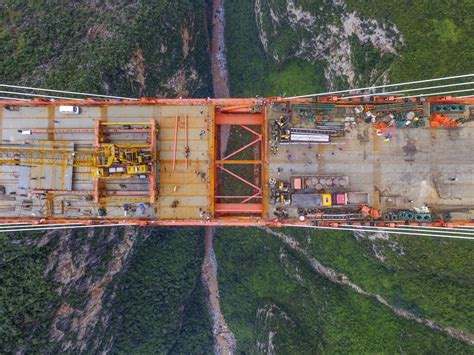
237,109
175,144
186,146
142,102
239,119
238,162
241,179
97,134
241,116
153,138
152,182
62,192
96,193
212,157
127,192
223,221
264,154
200,102
250,208
233,196
235,152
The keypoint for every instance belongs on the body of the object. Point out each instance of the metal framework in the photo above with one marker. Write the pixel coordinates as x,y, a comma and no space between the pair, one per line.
243,118
55,153
47,155
248,209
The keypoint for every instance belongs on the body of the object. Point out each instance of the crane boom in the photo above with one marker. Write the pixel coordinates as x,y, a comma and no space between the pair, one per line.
46,156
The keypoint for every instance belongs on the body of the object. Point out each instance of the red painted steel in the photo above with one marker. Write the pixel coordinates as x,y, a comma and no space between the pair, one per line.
236,208
241,119
241,115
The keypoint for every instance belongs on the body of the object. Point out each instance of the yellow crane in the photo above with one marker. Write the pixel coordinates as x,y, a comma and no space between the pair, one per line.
109,160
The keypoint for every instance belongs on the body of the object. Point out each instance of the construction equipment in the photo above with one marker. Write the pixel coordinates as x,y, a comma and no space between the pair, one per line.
109,161
300,135
237,162
442,120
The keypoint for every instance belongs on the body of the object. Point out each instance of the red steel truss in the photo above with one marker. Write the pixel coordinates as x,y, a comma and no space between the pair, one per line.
246,118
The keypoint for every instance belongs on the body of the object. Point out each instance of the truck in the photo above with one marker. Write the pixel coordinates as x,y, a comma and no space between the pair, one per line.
311,200
337,199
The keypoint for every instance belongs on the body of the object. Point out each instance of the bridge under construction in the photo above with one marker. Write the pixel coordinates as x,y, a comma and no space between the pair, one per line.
379,161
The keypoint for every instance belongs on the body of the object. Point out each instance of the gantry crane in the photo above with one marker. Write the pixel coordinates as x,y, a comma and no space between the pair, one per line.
109,161
105,160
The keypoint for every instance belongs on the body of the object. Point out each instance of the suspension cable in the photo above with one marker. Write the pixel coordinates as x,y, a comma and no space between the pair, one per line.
383,86
437,93
409,90
376,229
12,98
419,230
54,227
67,92
38,95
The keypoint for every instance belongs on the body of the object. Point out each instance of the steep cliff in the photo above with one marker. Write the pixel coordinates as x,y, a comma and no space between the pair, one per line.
299,291
132,48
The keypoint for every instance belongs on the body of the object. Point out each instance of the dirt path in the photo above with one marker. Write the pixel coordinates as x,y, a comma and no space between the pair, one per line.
342,279
224,339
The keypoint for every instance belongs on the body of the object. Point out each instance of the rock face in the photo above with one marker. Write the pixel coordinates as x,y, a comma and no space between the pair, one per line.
83,264
325,31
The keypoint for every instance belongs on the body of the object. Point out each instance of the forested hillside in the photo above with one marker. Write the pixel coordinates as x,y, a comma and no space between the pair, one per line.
300,47
136,291
132,48
116,290
271,297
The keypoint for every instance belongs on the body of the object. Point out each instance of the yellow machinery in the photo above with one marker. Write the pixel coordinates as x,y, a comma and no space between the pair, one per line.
108,161
326,200
119,161
104,159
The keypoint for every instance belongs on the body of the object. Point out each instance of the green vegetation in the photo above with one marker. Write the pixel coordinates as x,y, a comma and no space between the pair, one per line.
160,305
270,296
274,294
252,72
124,47
438,35
437,42
27,299
432,278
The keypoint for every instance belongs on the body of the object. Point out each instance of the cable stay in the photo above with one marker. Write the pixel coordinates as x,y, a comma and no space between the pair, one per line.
66,92
382,86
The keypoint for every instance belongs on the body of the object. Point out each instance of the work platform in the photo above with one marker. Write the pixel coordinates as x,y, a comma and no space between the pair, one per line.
234,161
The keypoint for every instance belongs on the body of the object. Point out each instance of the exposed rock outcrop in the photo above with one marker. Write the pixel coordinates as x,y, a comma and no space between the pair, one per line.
323,32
